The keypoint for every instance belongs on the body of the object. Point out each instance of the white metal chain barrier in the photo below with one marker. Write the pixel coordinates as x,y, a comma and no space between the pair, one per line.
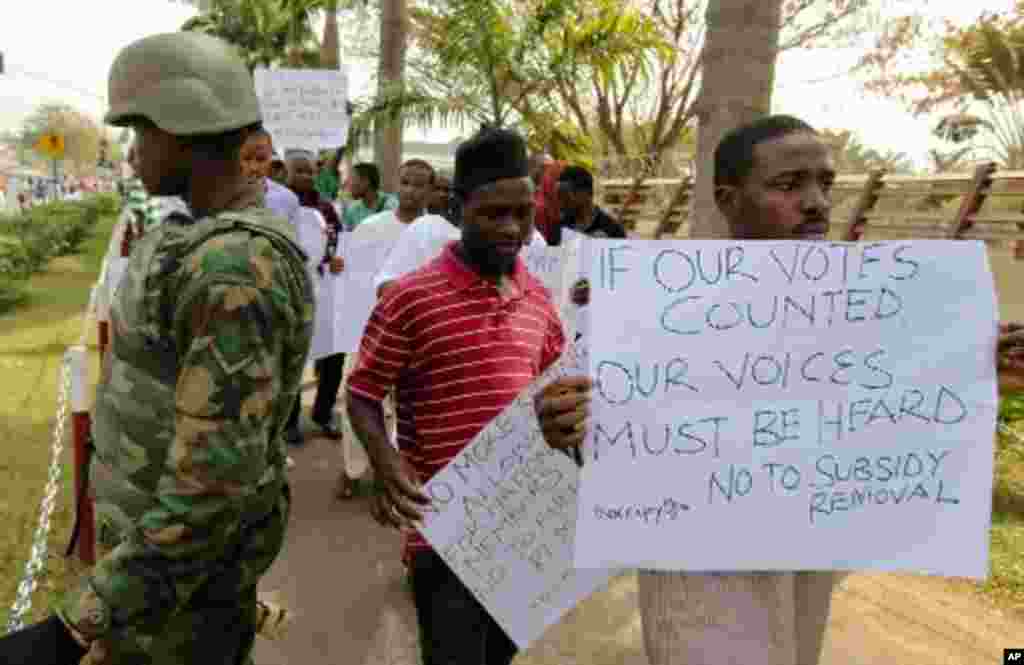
40,542
23,601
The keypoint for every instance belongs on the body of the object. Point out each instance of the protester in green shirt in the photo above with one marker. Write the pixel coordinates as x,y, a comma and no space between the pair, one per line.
364,185
326,182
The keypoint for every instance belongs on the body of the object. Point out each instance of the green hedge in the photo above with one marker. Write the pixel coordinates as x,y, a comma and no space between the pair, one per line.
30,239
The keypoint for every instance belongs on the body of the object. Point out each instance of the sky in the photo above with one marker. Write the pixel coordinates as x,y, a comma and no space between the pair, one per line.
67,60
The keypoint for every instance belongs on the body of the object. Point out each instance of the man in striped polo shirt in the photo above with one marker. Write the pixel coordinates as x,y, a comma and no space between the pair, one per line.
459,339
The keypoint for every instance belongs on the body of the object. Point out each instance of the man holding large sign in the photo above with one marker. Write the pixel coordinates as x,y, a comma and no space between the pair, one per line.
783,407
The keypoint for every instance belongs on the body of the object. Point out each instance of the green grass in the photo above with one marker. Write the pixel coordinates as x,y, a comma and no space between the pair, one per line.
1006,583
33,339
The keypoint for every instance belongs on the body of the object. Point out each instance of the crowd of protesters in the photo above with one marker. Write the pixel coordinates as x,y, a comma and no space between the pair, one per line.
222,301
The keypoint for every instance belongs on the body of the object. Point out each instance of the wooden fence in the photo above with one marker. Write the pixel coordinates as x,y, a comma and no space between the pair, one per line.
987,204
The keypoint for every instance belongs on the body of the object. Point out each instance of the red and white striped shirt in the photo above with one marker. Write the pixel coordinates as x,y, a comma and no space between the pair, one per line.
457,352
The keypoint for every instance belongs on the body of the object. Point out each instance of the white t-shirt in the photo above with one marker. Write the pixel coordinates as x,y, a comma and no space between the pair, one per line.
421,241
281,200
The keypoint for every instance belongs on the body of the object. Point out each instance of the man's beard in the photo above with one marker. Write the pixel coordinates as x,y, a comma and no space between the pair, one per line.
488,262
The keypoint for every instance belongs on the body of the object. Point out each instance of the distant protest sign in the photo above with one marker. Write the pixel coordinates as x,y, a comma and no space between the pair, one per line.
558,269
503,515
545,263
790,406
304,108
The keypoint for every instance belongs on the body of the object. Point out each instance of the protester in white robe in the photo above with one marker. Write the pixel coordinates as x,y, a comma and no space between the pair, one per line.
310,231
420,242
330,305
281,200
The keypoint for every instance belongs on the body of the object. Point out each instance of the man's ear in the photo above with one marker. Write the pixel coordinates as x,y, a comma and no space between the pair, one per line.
727,198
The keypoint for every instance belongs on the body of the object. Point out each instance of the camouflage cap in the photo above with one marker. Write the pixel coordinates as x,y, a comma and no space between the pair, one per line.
185,83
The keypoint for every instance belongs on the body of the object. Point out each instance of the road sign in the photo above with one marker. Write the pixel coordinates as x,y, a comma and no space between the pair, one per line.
51,145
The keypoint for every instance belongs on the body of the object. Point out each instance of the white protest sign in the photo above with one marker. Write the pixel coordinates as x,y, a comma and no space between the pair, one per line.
790,406
559,268
574,262
366,249
503,517
545,263
304,108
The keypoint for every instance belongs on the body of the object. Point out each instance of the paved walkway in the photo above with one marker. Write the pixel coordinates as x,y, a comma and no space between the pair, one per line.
341,573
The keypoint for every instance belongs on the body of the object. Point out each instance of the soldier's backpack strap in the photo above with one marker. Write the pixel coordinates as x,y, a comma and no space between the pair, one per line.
193,234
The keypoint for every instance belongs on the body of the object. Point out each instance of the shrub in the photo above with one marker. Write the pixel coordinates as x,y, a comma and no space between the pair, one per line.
1011,408
14,258
12,293
30,239
108,203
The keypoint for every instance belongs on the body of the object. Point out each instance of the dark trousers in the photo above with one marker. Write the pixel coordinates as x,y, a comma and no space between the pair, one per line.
293,417
455,629
329,370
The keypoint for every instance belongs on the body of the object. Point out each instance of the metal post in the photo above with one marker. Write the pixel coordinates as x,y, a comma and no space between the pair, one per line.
81,424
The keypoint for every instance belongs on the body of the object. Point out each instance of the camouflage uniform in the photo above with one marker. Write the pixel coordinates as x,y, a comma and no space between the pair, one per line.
210,329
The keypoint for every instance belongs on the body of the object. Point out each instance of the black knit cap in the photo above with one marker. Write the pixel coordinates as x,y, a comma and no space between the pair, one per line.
577,178
493,153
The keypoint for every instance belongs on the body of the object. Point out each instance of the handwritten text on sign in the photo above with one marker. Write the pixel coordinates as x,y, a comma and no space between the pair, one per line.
503,518
787,406
545,263
559,268
304,108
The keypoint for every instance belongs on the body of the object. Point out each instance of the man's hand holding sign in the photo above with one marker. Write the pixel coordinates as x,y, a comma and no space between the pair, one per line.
562,409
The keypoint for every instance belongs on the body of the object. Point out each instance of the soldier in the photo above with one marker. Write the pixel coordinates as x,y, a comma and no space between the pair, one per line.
212,325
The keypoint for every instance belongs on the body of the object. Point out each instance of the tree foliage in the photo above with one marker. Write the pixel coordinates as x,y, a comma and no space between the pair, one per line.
270,32
975,84
82,136
665,105
618,80
497,62
852,156
949,161
974,62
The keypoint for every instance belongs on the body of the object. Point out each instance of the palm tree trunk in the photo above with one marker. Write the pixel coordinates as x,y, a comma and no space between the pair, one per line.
772,619
329,46
394,19
741,45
